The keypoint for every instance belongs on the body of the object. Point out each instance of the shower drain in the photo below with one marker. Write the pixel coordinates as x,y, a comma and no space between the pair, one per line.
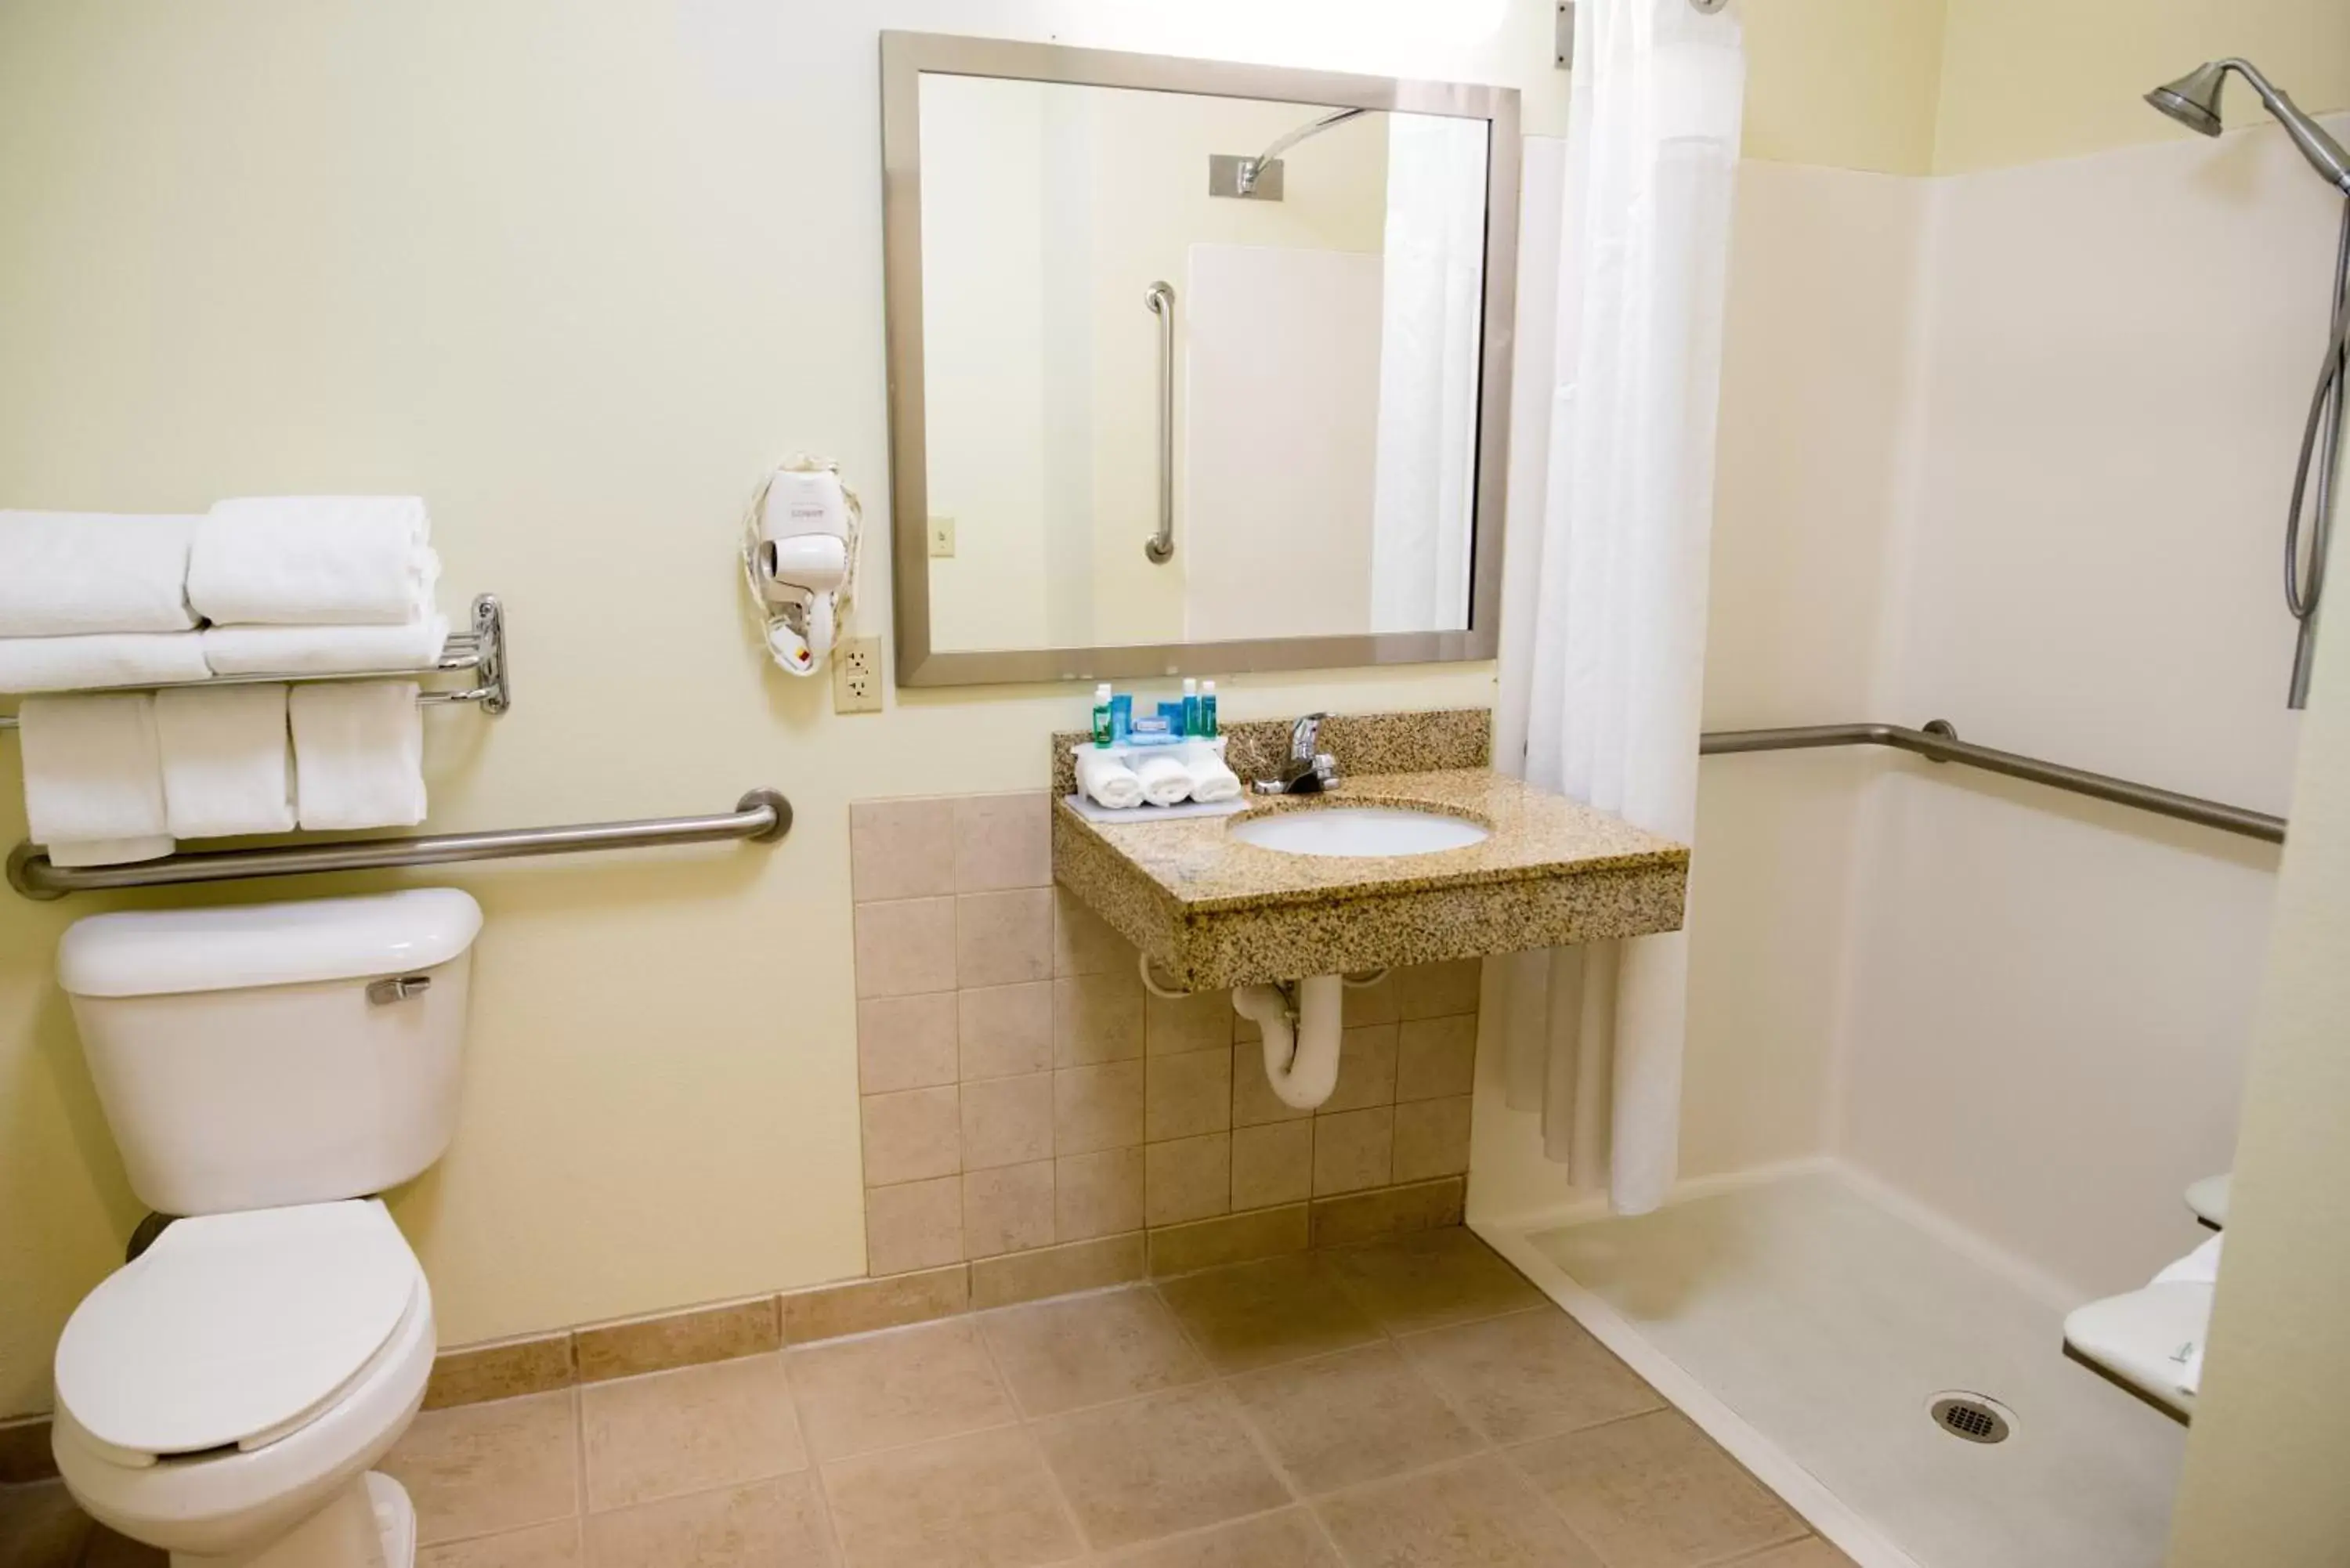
1976,1418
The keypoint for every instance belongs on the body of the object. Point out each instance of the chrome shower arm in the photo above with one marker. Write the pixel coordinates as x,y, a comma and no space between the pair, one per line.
1256,166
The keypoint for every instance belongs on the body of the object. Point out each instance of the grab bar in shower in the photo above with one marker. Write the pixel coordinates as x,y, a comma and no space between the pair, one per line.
1938,742
1160,546
761,816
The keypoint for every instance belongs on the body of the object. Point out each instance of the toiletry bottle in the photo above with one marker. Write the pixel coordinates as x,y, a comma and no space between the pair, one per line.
1207,711
1191,706
1101,714
1121,718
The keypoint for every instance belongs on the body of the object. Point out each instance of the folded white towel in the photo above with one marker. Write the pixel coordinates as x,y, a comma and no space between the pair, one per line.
66,573
100,658
226,764
93,778
325,649
313,560
1107,781
1211,780
1165,780
358,755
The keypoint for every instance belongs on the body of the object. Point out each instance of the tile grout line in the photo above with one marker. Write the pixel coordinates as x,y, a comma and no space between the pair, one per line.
1027,1426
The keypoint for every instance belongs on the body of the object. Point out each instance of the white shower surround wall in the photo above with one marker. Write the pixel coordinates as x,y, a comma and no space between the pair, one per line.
2008,448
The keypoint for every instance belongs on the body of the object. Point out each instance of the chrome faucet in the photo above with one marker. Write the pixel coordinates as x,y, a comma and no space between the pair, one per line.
1307,771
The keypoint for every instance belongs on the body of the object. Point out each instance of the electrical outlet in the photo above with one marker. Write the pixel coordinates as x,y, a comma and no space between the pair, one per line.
857,675
942,536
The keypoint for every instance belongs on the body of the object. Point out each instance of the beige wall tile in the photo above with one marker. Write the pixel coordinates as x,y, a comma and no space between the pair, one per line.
1096,1108
885,1390
1273,1164
1056,1270
1083,942
1374,1004
900,848
1367,1070
1092,1349
1358,1416
778,1523
1209,1243
1200,1022
986,1500
1653,1491
906,1042
1007,1210
1096,1018
470,1375
905,946
917,1226
25,1452
1431,1138
1007,1121
1002,841
1002,938
1097,1194
860,1306
1436,1057
1005,1029
1438,989
1187,1178
692,1430
476,1470
912,1136
1186,1096
1388,1211
1253,1102
1353,1151
663,1340
1151,1467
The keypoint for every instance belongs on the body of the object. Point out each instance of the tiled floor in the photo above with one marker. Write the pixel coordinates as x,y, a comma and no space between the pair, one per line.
1411,1404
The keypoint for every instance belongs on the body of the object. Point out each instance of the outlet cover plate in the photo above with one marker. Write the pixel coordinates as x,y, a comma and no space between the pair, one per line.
857,675
943,537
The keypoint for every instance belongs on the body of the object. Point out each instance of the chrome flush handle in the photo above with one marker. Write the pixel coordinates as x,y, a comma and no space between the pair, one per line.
398,988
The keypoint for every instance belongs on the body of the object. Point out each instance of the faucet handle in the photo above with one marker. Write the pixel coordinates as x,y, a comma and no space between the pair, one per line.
1304,736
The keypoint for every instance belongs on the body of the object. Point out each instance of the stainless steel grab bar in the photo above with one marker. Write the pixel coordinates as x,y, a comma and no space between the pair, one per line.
1160,546
761,816
1938,741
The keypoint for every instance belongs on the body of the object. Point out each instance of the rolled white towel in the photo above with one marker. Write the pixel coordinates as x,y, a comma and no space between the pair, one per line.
100,658
358,755
94,778
1107,781
1165,780
68,574
313,560
225,765
1211,780
325,649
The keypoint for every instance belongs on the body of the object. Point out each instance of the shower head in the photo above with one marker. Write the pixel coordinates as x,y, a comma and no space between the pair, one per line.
2193,100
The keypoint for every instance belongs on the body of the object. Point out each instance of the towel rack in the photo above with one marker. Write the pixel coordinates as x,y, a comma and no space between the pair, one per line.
482,650
1938,742
762,816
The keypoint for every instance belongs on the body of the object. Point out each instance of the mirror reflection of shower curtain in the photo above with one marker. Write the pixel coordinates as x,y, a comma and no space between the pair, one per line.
1430,303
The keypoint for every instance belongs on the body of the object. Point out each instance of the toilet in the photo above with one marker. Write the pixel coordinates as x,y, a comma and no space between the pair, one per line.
266,1071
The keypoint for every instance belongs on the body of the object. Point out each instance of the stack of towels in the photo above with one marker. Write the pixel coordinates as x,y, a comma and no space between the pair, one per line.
1122,780
301,585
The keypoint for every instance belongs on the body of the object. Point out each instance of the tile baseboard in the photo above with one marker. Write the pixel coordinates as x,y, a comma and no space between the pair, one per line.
25,1453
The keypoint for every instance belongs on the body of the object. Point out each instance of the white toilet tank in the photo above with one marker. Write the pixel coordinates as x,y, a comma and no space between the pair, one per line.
275,1053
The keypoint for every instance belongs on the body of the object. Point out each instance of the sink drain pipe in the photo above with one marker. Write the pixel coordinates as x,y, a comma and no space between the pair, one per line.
1301,1044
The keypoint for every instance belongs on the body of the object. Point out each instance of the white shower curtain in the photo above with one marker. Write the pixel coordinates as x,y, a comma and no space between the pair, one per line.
1604,647
1430,303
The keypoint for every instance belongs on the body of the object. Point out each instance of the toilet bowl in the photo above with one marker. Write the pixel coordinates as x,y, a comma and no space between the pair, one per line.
222,1395
266,1070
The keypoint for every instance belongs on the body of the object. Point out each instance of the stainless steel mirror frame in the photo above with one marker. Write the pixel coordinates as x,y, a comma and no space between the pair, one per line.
904,57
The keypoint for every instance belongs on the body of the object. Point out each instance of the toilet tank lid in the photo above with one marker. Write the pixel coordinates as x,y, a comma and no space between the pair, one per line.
163,953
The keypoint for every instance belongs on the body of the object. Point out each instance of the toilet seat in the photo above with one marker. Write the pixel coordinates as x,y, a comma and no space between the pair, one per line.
233,1331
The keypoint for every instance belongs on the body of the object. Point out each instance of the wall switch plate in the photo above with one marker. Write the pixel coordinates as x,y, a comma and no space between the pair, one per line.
857,675
942,535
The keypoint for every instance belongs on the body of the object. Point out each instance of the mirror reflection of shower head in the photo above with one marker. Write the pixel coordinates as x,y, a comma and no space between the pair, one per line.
1260,177
2193,100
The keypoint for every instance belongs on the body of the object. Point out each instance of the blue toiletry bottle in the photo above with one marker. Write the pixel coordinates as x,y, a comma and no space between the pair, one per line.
1121,717
1191,706
1208,710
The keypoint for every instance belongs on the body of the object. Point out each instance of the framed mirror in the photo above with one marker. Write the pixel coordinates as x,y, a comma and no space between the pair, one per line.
1195,368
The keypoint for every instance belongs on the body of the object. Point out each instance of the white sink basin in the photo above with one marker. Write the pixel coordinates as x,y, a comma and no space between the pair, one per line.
1357,830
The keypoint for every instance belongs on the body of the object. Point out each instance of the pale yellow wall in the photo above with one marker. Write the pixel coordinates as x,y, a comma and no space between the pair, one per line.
1848,84
578,275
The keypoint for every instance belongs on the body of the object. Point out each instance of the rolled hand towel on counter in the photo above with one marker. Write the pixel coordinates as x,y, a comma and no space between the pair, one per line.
1211,780
100,658
69,574
1107,781
358,755
325,649
93,779
1165,780
225,765
314,560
